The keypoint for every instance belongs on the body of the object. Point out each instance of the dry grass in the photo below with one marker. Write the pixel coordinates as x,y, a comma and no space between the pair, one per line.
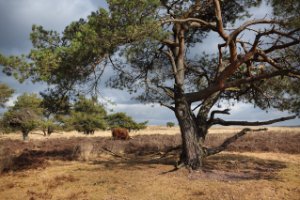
112,178
260,166
18,155
38,135
269,141
150,130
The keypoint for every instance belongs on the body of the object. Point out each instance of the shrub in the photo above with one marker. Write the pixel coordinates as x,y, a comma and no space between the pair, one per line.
170,124
48,127
121,120
24,120
87,116
24,116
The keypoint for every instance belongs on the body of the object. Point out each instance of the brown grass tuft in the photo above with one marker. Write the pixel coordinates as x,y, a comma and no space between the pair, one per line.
59,181
39,195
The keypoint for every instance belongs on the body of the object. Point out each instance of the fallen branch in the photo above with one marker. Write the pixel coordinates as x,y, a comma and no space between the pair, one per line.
228,141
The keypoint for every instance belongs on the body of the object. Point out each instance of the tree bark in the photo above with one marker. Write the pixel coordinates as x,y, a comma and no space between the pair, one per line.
192,143
25,135
50,130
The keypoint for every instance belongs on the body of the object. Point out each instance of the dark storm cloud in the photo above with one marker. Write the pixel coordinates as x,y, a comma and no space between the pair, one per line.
18,16
13,34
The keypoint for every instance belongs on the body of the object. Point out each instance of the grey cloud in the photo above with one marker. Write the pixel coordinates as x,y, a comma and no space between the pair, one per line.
17,17
27,86
118,96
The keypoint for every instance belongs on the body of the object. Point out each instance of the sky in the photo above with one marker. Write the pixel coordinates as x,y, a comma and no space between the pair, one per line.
18,16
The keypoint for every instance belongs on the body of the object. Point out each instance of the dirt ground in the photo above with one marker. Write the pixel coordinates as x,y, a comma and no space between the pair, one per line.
264,165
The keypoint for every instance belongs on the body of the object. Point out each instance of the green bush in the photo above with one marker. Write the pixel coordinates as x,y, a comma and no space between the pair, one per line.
87,116
23,119
170,124
121,120
24,116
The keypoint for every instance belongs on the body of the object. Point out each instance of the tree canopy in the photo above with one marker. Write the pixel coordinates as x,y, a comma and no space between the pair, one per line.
170,124
87,116
5,94
24,116
30,101
121,120
142,32
289,10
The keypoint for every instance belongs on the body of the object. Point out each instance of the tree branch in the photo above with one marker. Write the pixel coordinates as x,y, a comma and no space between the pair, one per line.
228,141
233,66
169,91
220,64
218,14
283,46
260,77
245,123
167,106
172,62
205,93
194,22
268,60
244,26
170,43
213,113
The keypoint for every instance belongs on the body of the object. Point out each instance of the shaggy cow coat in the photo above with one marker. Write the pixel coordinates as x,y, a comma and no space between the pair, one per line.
120,133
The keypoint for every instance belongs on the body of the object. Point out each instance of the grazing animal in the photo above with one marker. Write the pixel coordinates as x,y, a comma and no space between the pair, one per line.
120,133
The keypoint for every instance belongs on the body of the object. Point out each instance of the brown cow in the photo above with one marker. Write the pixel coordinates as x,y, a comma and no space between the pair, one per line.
120,133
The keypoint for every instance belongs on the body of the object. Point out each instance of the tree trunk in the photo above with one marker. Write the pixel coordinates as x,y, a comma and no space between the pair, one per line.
45,132
25,135
50,130
192,138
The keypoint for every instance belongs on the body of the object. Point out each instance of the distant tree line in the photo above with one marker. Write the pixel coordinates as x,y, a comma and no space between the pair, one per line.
50,114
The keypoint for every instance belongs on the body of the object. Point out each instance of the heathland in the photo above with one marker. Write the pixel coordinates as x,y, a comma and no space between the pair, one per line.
70,165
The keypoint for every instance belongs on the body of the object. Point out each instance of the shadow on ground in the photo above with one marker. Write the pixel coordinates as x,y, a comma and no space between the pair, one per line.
224,167
240,167
141,153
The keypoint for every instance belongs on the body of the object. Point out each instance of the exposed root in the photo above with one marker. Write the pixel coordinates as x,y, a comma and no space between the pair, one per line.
179,165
